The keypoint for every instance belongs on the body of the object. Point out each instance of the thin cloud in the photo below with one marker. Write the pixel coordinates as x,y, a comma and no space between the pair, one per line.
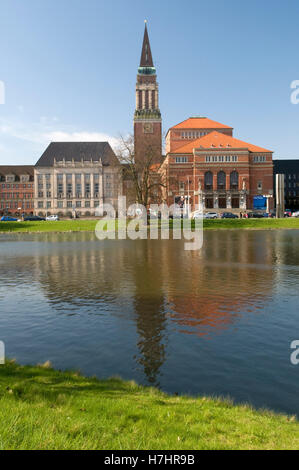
43,133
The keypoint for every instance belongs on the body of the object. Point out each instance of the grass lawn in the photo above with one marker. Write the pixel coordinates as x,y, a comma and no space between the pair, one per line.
45,409
79,225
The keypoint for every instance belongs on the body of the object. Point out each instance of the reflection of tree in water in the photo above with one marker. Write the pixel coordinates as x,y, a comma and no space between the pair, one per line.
150,313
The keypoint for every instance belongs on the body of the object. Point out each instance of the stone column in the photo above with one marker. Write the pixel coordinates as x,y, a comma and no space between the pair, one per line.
228,201
82,186
227,182
156,100
53,193
35,190
64,184
214,181
91,190
74,185
215,201
150,99
101,183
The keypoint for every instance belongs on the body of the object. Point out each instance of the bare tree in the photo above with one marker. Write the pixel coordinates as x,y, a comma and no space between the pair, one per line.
142,181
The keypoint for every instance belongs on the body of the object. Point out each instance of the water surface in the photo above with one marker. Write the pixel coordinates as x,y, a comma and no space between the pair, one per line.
218,321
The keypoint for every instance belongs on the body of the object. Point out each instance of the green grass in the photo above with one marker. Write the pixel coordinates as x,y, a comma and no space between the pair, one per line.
79,225
41,408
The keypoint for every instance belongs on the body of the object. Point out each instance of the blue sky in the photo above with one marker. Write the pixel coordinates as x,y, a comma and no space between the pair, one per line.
69,69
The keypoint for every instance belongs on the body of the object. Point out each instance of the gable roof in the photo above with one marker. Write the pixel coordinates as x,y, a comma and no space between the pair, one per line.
217,140
77,151
200,122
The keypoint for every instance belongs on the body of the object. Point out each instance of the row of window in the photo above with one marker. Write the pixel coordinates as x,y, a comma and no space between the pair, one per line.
211,158
221,158
259,158
193,134
69,204
12,178
16,205
289,176
221,180
17,186
69,176
16,196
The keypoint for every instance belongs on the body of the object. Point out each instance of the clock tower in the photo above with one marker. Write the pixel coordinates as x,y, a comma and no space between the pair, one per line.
147,117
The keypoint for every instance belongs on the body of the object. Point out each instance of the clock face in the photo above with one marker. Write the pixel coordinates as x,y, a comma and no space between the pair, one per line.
148,128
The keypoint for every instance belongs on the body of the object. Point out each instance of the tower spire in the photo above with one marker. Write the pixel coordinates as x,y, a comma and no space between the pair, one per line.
146,59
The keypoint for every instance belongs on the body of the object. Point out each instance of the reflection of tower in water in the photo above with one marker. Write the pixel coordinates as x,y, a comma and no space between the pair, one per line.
149,311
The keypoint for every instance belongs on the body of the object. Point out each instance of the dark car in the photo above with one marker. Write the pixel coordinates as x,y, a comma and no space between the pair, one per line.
256,215
6,218
33,218
229,215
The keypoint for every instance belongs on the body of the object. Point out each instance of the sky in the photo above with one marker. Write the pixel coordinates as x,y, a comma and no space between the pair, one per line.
68,69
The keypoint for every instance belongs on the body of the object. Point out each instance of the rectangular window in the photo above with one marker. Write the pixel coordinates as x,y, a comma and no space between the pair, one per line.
78,203
40,204
181,159
69,204
87,203
48,204
60,204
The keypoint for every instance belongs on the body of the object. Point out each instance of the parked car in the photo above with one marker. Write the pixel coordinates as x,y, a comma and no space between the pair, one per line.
7,218
52,217
256,215
295,214
229,215
33,218
211,215
288,213
197,215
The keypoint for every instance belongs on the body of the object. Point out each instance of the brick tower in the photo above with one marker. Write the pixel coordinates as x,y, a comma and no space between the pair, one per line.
147,117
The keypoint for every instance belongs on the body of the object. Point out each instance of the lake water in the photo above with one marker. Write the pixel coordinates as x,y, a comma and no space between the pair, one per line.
219,321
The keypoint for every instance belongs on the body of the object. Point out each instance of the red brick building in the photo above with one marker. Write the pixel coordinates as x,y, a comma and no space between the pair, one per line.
206,165
16,189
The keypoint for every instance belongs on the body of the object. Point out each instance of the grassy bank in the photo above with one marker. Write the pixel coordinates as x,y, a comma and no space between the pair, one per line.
79,225
46,409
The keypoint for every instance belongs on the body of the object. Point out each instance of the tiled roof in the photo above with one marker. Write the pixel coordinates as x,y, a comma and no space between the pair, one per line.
200,123
17,170
77,151
217,140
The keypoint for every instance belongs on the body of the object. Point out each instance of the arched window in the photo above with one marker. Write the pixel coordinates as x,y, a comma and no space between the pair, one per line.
234,180
208,180
221,180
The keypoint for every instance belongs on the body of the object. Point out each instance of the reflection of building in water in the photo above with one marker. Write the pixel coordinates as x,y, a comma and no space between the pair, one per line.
149,282
149,311
230,276
97,275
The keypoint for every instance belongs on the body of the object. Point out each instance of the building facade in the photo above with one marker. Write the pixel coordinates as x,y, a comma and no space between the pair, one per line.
290,170
76,179
208,167
147,116
16,190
